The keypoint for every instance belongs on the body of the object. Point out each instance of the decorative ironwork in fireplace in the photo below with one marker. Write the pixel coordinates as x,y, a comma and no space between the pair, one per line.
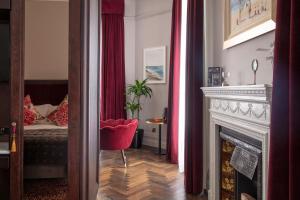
241,166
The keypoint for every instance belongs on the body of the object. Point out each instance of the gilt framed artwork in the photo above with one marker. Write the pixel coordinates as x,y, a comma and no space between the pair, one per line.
247,19
155,65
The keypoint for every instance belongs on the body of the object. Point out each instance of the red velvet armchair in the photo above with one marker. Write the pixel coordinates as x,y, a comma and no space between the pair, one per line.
117,135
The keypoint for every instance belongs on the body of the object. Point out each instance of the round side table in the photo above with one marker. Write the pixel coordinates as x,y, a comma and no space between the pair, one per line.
159,122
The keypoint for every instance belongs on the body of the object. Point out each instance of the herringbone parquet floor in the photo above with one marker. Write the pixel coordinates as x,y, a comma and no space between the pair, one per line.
147,177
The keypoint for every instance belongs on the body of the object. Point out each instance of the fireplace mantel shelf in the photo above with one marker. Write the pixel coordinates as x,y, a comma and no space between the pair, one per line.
254,93
245,109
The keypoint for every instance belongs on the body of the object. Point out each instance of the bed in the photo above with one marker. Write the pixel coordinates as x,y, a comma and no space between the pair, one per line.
45,144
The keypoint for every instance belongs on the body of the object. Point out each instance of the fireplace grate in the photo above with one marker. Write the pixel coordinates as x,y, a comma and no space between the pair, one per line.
232,183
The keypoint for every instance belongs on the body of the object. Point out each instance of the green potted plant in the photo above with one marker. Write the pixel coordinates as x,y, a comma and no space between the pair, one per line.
134,93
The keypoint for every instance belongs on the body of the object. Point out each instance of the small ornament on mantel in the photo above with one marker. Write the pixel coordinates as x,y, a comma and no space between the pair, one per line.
225,75
254,67
214,76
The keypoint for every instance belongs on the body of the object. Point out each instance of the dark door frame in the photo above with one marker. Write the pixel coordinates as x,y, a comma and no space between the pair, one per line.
83,17
84,54
17,95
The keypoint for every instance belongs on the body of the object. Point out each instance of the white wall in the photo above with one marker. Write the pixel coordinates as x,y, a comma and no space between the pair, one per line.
153,29
237,60
46,40
130,40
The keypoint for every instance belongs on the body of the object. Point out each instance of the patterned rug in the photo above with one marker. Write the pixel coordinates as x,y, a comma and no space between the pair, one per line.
45,189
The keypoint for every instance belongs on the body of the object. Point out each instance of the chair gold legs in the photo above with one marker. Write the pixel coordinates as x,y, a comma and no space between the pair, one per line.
124,158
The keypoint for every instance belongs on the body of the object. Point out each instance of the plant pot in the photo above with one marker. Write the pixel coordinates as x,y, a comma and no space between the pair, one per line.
137,140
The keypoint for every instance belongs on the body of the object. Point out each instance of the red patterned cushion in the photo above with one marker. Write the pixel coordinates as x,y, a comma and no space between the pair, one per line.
60,115
30,114
29,117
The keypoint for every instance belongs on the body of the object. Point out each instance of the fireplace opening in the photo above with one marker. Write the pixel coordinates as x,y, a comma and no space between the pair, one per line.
240,166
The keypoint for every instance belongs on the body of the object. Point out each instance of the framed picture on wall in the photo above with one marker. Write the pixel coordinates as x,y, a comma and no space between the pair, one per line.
155,65
247,19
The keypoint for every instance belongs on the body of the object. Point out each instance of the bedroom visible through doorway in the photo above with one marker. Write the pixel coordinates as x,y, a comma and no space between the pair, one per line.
45,157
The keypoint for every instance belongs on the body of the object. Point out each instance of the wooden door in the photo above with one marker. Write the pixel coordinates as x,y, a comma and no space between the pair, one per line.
84,99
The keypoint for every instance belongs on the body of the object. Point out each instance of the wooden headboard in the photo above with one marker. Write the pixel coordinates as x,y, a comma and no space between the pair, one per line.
46,91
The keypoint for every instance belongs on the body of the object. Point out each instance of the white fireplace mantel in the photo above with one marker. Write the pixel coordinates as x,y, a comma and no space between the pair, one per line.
245,109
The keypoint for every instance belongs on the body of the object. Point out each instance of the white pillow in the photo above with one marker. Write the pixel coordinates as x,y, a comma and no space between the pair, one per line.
45,110
51,108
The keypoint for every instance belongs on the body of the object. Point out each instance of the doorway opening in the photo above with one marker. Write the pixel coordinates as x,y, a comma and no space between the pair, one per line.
45,160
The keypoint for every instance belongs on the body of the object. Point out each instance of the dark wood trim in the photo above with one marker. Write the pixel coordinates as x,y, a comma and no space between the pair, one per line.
83,69
74,142
17,73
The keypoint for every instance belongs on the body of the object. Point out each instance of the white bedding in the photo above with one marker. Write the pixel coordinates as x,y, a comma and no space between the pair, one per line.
44,127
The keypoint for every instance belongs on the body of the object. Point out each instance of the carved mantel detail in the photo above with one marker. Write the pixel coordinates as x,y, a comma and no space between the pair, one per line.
245,109
251,111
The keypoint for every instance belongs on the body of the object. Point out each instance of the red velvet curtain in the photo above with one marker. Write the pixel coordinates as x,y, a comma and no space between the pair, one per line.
194,98
174,75
113,63
113,7
284,163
